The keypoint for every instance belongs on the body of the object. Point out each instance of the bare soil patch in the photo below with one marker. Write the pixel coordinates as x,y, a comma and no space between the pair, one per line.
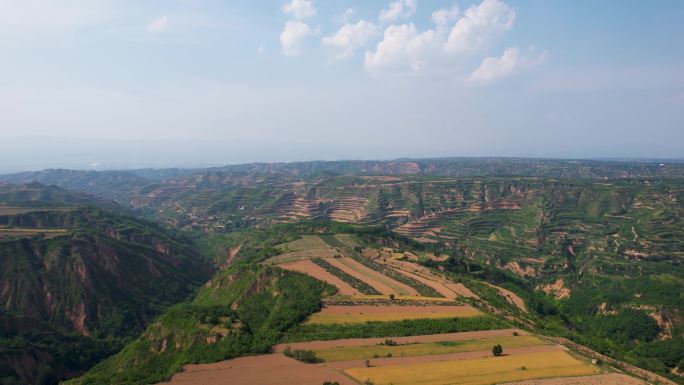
511,297
313,270
271,369
438,287
601,379
364,313
440,284
462,290
377,280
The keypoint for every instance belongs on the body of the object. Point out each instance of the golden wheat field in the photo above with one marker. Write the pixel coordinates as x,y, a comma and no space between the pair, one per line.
491,370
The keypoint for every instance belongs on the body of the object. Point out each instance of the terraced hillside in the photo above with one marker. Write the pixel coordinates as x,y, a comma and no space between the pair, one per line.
378,307
588,251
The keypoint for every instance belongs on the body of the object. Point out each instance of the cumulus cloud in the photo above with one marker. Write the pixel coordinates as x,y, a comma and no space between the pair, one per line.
158,25
293,37
401,48
400,9
444,17
350,37
479,24
299,9
453,38
497,68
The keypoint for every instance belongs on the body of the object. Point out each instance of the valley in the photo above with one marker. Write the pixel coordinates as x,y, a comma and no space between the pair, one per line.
377,272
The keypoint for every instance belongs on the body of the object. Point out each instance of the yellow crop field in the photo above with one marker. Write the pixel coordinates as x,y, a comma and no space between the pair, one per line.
28,232
348,353
361,314
484,371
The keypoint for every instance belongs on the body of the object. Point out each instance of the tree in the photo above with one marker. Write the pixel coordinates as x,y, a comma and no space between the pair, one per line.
497,350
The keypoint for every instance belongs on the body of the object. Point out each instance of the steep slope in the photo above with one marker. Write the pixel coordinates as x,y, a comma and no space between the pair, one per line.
86,278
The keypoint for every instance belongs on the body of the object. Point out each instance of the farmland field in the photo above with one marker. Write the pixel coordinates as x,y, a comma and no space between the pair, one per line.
361,314
272,369
306,247
29,232
418,339
377,280
312,269
484,371
601,379
418,349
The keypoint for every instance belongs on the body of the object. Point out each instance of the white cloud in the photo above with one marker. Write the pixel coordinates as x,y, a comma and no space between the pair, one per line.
453,38
351,37
479,25
293,37
158,25
299,9
402,48
343,18
400,9
497,68
444,17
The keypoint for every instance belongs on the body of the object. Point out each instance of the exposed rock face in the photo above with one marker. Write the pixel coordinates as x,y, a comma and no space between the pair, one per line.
527,271
557,289
97,272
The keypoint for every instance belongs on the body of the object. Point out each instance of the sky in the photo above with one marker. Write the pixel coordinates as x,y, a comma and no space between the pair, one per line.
125,83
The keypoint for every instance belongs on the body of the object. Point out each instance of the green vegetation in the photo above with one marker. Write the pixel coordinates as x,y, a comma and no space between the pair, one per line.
497,350
308,356
273,302
313,332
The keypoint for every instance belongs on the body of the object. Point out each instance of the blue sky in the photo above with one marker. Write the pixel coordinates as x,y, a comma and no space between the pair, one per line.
130,83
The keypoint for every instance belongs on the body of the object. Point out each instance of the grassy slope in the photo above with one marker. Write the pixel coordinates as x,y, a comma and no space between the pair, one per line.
268,301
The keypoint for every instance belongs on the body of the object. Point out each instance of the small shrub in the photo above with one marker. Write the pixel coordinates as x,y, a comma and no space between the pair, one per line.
389,342
497,350
515,334
523,367
368,364
331,383
308,356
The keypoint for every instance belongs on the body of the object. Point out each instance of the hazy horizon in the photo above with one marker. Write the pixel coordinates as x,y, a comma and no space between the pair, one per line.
122,155
124,84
